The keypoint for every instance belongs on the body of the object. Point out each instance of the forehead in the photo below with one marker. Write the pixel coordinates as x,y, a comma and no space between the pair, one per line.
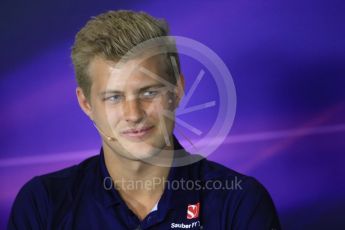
134,73
139,70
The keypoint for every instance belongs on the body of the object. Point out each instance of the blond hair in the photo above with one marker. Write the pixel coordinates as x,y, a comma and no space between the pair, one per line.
111,35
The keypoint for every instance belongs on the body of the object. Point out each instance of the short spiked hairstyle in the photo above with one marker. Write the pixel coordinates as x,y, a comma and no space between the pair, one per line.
112,35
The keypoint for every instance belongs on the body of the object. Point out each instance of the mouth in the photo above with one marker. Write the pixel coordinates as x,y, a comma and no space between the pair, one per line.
137,133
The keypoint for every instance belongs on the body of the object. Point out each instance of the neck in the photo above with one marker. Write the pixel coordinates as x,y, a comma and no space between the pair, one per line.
121,167
125,170
139,183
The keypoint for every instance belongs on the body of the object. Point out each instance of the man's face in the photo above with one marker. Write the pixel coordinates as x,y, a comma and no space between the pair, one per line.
133,102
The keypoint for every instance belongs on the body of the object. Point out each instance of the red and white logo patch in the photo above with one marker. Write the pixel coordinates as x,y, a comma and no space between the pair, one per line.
193,211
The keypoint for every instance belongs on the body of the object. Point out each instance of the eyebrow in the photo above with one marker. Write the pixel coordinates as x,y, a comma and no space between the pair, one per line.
159,85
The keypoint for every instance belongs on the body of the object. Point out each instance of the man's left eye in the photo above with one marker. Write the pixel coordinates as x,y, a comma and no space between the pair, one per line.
150,94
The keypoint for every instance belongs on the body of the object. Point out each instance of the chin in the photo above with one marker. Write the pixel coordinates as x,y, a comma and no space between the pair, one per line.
145,149
141,153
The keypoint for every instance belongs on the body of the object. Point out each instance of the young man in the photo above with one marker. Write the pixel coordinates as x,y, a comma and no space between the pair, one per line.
130,90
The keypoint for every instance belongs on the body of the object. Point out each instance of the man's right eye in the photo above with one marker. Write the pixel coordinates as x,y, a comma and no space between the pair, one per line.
113,98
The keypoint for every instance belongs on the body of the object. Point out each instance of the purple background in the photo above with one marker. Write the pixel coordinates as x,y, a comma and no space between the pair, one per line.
287,60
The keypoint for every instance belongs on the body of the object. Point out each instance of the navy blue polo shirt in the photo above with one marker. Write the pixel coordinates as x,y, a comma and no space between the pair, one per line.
202,195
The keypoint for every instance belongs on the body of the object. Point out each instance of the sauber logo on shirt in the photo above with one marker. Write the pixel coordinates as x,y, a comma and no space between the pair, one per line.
193,225
193,211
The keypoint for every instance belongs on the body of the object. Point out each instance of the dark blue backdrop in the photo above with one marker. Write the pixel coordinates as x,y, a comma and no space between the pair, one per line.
287,60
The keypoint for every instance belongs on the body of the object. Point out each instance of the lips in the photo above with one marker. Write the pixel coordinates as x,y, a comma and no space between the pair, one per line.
136,133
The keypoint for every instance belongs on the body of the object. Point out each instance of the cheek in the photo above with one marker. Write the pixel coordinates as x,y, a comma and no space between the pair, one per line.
159,109
163,112
109,115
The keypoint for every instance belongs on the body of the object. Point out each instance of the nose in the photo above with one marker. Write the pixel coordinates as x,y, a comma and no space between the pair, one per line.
132,110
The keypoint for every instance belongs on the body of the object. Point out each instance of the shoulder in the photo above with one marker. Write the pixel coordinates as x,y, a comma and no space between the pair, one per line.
210,170
62,178
245,202
69,177
34,201
243,185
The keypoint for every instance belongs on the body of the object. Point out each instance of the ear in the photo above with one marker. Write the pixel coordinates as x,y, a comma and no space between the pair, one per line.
179,92
84,103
